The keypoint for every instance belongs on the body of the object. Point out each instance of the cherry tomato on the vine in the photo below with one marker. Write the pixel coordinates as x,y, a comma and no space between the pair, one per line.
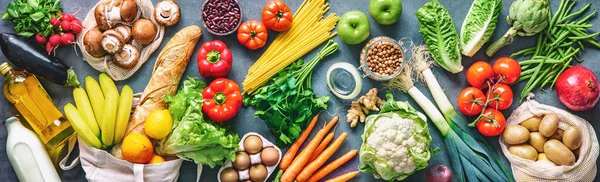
501,98
471,101
479,73
492,123
508,70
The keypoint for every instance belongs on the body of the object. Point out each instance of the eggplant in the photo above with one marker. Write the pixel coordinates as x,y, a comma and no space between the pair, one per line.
27,54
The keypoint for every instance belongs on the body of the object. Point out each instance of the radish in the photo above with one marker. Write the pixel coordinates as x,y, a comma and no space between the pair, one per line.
577,88
40,39
49,48
55,22
65,25
67,39
76,27
54,40
67,17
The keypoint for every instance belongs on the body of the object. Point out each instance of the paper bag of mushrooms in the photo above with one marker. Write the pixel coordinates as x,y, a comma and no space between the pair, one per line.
120,35
544,143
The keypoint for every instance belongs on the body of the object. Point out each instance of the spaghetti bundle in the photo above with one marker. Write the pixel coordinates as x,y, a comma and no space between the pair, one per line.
308,31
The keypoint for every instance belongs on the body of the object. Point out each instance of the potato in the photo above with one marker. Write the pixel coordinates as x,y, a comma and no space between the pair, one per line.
537,141
524,151
576,152
572,138
558,153
558,135
549,125
542,157
532,124
515,134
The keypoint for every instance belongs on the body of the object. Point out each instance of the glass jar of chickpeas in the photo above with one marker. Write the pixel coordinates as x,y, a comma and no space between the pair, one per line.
382,58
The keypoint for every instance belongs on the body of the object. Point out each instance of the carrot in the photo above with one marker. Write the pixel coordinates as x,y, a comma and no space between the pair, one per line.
300,161
321,147
291,153
319,161
343,177
324,171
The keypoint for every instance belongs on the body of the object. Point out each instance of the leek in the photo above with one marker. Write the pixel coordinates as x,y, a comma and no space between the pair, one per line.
421,63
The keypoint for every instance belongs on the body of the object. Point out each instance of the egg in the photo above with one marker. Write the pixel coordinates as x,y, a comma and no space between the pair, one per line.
229,175
253,144
258,173
242,161
269,156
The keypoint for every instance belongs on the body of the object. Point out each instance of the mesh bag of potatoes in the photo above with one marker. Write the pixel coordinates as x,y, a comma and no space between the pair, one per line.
544,143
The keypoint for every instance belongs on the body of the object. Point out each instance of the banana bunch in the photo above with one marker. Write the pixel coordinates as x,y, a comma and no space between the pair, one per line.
101,116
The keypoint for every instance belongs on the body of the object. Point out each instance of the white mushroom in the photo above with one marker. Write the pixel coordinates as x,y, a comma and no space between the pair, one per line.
127,58
167,13
112,41
125,31
92,42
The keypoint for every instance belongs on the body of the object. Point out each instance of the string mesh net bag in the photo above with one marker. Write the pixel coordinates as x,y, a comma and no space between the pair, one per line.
583,170
104,63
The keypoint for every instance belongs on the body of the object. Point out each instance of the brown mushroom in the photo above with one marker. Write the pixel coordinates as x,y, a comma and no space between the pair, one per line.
166,13
112,41
125,31
143,31
128,10
101,16
126,58
92,42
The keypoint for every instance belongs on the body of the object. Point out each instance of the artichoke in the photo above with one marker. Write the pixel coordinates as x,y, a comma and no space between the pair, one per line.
526,18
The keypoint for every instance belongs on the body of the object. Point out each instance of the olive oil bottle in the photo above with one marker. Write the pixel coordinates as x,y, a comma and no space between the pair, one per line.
26,93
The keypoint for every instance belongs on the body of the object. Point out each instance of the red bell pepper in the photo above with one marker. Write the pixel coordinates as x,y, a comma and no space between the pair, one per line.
214,59
222,100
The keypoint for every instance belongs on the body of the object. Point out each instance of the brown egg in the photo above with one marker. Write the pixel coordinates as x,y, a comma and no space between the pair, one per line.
253,144
242,161
229,175
258,173
269,156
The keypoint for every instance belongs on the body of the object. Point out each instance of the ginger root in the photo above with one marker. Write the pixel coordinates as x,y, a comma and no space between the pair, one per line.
360,108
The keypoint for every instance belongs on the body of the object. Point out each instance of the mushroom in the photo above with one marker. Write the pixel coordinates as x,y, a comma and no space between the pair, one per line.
128,10
125,31
101,16
167,13
143,31
127,58
112,41
92,41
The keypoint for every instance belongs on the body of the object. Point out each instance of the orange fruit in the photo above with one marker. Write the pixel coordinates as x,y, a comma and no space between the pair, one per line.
156,159
137,148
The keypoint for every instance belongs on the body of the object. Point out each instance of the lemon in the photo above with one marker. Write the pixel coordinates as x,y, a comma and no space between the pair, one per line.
158,124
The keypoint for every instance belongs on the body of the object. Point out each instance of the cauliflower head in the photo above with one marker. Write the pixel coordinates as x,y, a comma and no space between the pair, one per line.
395,144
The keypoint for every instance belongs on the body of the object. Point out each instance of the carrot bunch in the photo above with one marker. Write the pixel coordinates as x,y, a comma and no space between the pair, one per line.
306,166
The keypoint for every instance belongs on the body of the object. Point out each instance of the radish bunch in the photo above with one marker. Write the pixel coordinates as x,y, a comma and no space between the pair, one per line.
68,27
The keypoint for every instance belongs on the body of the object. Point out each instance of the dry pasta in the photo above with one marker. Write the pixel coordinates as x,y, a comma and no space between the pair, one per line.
308,31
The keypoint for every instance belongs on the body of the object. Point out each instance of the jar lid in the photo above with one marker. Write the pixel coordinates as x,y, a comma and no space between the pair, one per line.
343,80
5,68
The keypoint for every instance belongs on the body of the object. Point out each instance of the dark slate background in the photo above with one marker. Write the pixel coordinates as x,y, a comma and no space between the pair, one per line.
407,26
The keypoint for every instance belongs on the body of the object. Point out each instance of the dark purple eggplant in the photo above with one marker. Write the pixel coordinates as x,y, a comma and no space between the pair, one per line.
27,54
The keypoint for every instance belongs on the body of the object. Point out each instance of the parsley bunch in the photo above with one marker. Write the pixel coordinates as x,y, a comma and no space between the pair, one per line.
288,102
32,16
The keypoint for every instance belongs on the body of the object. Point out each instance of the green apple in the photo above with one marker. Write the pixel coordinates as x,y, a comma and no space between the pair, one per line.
385,12
354,27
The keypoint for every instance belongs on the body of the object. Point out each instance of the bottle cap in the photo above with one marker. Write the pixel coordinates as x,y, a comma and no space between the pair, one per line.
9,120
5,68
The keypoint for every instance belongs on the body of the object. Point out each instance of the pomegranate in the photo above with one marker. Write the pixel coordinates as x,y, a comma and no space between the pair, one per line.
577,88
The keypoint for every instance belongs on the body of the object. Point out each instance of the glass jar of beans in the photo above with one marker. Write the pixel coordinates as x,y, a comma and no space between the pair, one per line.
382,58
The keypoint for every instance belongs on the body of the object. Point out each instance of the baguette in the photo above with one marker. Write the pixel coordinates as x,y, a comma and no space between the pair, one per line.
168,70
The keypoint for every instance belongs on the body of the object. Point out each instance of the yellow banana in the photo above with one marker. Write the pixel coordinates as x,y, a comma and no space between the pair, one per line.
111,100
85,109
123,113
84,132
96,97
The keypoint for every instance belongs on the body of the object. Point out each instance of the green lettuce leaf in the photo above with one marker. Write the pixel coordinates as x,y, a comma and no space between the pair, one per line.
437,28
479,25
194,137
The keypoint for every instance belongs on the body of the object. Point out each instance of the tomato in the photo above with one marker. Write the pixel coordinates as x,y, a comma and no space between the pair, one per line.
492,123
507,69
501,98
471,101
253,34
277,16
479,73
